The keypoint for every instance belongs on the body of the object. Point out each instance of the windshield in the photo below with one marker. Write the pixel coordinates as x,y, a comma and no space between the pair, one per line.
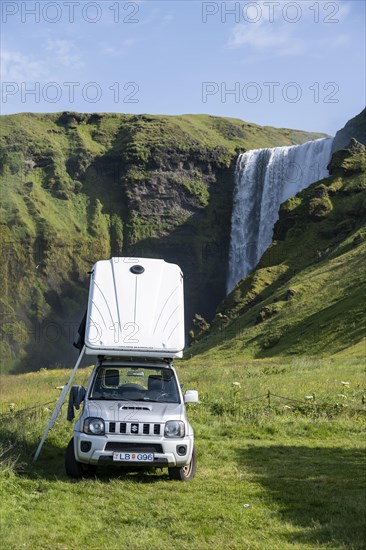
128,383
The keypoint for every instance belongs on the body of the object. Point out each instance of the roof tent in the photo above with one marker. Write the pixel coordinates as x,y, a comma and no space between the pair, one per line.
135,309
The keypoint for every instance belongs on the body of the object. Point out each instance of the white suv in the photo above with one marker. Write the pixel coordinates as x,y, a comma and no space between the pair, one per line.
133,416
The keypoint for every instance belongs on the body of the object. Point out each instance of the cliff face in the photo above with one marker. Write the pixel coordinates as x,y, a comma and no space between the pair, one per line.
355,128
306,296
77,188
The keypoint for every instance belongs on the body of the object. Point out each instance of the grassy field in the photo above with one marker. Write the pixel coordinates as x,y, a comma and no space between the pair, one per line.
77,188
273,472
306,295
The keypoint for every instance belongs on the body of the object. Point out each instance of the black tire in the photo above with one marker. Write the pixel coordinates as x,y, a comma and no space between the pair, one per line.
185,473
75,469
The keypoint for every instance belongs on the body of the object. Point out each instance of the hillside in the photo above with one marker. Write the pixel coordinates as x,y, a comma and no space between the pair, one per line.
77,188
279,437
306,296
282,473
355,128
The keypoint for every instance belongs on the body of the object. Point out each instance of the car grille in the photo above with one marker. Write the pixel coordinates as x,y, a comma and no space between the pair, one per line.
141,447
134,428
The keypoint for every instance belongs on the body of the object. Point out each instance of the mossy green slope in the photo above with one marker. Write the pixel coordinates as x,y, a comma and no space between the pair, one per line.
77,188
295,462
307,295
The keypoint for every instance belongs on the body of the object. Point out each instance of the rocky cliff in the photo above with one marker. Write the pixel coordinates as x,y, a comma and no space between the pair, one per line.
355,128
77,188
306,296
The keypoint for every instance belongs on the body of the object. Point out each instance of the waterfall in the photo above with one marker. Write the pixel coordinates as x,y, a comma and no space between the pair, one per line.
265,178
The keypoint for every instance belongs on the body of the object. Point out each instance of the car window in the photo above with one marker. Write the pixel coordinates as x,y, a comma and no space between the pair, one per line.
135,384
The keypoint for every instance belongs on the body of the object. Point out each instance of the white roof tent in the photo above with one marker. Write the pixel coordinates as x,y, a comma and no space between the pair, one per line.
135,309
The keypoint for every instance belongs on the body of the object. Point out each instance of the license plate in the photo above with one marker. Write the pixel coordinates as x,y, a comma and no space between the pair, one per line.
133,457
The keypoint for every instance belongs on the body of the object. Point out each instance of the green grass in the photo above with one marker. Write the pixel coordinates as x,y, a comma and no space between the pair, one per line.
299,466
287,438
306,295
77,188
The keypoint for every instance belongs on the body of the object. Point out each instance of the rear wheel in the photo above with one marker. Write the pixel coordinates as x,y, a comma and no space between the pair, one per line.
185,473
75,469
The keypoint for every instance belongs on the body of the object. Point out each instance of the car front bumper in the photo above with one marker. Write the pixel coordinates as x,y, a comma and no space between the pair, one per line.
102,448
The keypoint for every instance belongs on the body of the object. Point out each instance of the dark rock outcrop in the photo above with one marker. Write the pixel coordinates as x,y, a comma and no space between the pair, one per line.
355,128
83,187
350,160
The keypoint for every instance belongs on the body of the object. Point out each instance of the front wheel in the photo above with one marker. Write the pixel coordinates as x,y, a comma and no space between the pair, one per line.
75,469
185,473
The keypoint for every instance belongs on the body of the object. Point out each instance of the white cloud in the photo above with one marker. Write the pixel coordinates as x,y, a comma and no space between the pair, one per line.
157,18
271,34
129,42
19,67
167,19
344,9
263,36
106,49
341,40
64,52
304,9
123,47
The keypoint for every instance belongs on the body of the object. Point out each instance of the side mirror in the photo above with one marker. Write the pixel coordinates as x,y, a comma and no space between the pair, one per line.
191,396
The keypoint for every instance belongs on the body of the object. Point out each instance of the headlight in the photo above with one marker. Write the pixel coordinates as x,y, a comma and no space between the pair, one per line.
94,426
174,428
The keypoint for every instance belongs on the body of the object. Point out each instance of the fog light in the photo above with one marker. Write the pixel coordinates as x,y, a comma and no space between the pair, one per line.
181,450
85,446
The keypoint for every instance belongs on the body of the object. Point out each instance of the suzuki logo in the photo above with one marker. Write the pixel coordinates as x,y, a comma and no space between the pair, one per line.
134,428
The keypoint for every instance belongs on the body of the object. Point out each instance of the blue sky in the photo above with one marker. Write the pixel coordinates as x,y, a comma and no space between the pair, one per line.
287,64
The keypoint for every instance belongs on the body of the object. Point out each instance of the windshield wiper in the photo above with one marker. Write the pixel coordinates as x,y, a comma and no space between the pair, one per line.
145,399
108,399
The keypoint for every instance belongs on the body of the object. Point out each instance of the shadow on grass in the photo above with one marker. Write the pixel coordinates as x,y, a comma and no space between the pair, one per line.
18,452
319,490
